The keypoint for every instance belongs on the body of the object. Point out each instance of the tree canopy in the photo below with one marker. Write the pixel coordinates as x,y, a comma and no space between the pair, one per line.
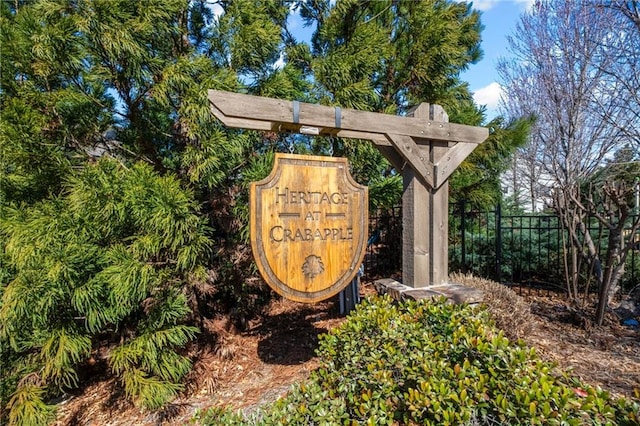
123,201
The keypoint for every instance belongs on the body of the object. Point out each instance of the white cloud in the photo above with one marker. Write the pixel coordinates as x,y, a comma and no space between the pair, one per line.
526,4
484,5
488,95
216,9
279,64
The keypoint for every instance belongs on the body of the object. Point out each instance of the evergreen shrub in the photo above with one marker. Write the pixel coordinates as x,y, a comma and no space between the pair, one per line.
109,265
432,364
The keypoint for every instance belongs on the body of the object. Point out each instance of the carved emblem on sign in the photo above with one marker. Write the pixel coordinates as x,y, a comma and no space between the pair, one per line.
312,266
308,226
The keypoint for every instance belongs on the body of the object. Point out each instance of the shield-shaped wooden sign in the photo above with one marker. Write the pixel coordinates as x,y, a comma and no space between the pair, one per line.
309,223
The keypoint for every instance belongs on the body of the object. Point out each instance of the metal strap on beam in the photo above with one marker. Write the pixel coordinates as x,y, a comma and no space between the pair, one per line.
296,112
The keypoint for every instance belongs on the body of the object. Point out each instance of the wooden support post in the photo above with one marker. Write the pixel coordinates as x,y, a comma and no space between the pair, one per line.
425,220
415,231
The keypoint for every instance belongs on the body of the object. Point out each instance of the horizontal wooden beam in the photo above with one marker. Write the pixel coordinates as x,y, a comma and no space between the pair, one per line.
256,112
270,126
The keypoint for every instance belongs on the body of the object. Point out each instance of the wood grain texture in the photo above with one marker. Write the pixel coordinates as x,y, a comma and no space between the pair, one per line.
414,156
415,231
228,106
449,162
425,215
309,222
439,208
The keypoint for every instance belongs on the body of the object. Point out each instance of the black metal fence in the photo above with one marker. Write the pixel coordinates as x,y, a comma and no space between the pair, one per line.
522,249
384,248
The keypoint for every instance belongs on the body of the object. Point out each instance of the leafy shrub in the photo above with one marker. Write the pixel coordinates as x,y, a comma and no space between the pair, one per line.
109,264
432,364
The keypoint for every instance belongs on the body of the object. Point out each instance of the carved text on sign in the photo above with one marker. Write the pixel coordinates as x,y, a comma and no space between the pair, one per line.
308,226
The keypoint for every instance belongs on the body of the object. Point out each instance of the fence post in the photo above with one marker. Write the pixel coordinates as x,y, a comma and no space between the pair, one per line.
463,245
498,242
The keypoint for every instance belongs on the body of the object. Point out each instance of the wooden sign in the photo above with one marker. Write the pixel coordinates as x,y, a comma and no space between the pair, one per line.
309,223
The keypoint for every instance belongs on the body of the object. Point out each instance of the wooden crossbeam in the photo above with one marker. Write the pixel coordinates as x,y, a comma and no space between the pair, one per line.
278,115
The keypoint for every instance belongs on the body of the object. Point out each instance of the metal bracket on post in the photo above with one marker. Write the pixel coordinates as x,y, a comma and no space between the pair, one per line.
350,296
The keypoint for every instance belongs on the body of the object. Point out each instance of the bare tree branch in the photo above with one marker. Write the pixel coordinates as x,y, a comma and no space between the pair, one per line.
575,66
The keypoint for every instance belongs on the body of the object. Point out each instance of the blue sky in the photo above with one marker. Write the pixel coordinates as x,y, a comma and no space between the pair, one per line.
499,18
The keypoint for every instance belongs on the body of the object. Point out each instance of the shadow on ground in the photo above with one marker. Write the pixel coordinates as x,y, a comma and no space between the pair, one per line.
291,338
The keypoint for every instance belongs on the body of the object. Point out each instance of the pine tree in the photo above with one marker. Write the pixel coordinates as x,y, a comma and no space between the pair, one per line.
478,179
387,56
95,249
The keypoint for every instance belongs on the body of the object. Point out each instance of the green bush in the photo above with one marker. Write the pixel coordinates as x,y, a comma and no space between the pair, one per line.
432,364
108,265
